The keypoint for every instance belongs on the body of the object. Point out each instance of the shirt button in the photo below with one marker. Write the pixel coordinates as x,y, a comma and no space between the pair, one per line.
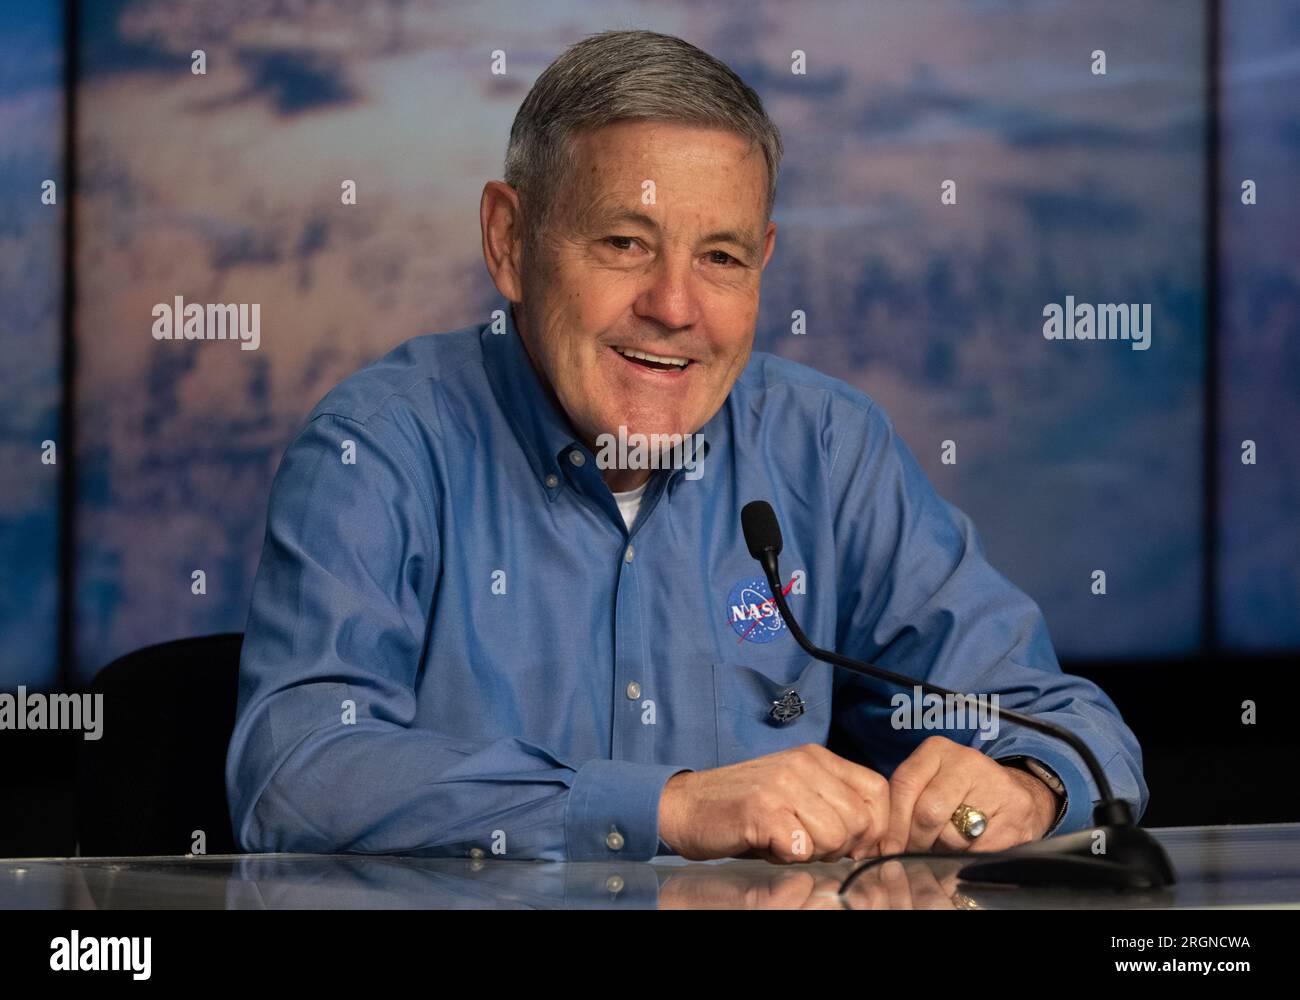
477,853
614,884
614,841
577,458
629,554
552,481
633,690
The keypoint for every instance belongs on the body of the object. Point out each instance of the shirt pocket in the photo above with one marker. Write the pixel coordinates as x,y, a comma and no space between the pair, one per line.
746,695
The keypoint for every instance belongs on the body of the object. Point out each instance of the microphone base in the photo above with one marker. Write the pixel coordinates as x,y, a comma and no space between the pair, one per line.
1132,860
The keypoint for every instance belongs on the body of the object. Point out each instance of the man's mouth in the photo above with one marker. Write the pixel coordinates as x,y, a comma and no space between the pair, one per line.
654,362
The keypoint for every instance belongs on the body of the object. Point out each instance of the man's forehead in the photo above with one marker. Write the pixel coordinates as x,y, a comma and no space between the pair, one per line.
603,199
650,137
618,174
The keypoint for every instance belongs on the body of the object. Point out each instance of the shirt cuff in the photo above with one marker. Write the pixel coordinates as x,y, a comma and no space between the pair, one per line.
1060,794
613,810
1078,787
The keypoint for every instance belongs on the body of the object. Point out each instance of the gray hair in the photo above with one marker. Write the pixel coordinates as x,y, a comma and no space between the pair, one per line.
616,76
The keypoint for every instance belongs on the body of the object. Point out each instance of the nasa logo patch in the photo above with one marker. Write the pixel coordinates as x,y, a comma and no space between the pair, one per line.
752,612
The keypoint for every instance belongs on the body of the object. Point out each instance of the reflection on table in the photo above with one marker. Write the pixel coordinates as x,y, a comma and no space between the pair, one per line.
1217,866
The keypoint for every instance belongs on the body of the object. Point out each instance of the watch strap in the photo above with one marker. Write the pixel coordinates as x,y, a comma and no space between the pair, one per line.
1047,776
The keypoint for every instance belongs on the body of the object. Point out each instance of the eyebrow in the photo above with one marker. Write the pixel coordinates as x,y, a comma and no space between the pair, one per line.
733,236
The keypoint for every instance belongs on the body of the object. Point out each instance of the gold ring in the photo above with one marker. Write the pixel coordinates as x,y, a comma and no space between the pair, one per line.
970,822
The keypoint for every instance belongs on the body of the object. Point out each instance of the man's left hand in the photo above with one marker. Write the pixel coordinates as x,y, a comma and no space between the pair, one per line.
940,775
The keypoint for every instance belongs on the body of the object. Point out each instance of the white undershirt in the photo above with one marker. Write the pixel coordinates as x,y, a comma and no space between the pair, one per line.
630,502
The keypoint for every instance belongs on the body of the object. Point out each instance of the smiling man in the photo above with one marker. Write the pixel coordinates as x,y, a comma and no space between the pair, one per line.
471,635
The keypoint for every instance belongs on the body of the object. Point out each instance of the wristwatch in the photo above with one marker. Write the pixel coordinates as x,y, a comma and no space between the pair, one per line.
1047,776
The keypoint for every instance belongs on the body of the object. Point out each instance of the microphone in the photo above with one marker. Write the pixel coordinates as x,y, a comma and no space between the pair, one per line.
1116,853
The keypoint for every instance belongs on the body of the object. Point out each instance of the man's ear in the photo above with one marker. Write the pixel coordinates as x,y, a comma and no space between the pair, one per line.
501,223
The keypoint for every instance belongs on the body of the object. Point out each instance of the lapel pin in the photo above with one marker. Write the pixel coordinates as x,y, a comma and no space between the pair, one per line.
788,708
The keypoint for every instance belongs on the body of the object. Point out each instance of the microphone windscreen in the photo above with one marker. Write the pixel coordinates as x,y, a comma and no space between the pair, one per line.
762,532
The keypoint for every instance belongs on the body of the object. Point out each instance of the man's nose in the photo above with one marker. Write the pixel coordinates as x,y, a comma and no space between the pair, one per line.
669,298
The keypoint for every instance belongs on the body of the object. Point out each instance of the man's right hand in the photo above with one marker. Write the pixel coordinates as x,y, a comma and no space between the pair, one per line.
802,804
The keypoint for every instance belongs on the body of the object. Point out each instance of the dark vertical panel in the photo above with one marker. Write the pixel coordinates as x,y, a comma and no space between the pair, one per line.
1213,195
68,410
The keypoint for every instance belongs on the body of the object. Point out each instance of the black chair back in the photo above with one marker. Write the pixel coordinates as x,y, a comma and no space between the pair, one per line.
157,773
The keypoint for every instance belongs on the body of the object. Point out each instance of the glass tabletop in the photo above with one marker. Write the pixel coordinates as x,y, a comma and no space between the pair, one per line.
1217,866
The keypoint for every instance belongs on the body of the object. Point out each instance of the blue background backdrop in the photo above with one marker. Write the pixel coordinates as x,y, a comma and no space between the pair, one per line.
1072,456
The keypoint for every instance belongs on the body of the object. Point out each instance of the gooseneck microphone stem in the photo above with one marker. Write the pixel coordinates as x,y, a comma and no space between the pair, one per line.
1117,853
871,670
763,538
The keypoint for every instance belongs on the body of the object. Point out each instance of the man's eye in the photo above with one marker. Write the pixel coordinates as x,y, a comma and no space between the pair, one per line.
619,241
725,258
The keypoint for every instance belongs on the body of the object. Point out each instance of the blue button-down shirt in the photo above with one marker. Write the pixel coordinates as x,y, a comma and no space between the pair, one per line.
456,645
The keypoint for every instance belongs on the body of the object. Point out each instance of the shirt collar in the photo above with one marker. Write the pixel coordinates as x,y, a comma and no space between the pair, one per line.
542,428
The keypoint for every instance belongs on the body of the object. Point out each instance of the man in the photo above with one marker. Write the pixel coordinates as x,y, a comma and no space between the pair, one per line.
475,631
